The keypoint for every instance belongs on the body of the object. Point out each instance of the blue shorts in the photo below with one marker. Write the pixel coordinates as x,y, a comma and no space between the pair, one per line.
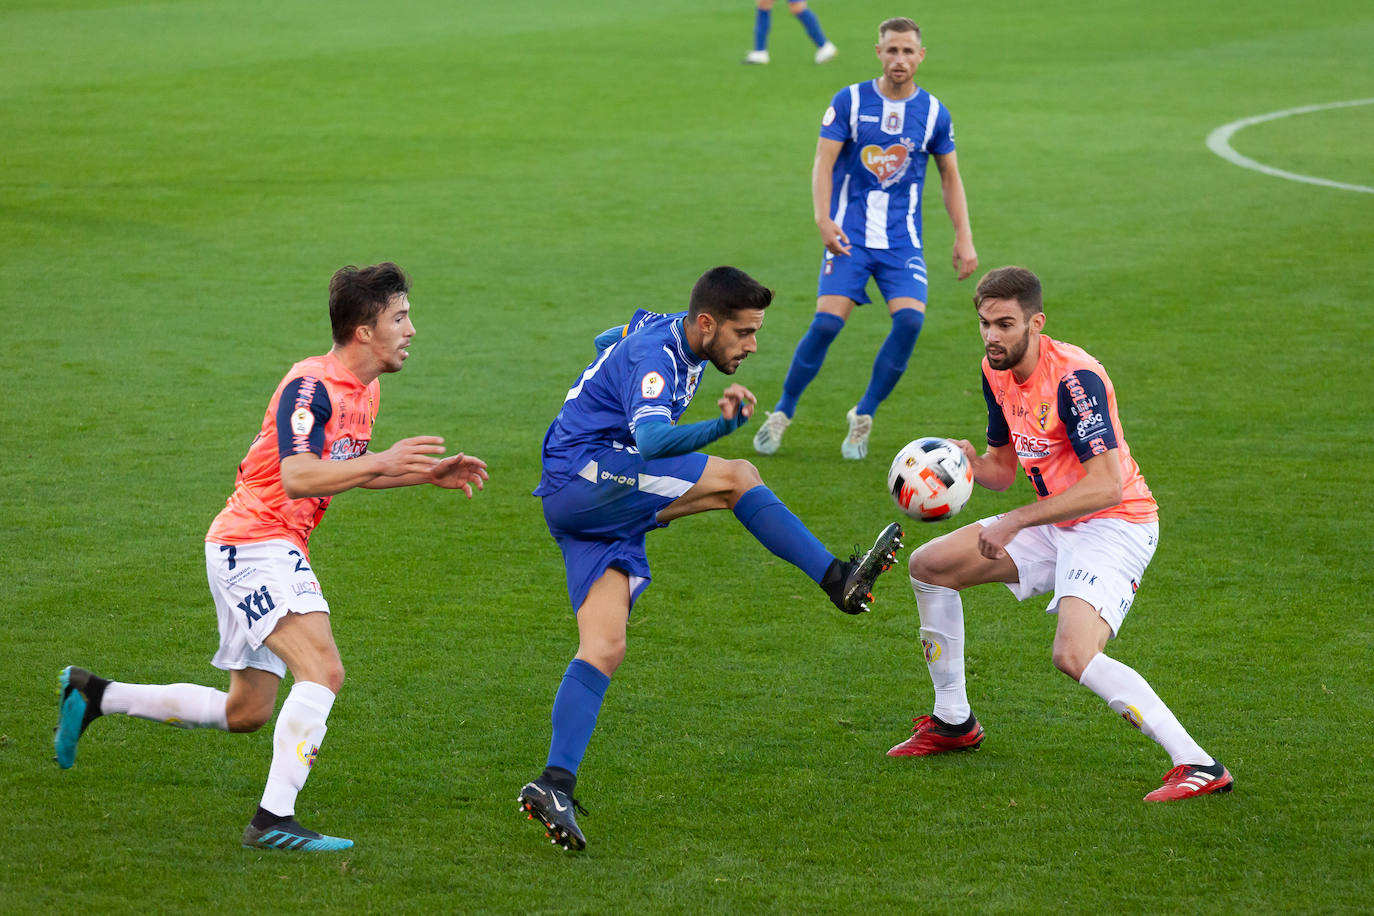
899,272
600,517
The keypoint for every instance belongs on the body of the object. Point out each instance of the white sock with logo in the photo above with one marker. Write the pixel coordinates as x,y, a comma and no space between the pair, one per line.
1130,697
182,705
942,639
295,742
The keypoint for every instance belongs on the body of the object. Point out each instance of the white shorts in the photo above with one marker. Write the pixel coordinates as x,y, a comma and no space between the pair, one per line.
254,585
1101,561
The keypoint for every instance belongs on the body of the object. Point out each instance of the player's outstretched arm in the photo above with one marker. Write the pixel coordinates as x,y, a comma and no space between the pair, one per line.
995,469
308,475
460,472
956,205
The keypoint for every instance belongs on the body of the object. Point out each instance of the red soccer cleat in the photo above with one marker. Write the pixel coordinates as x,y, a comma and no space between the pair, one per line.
932,737
1188,781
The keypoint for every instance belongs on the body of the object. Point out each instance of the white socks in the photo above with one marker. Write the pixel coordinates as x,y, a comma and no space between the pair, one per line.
295,742
182,705
1129,696
942,639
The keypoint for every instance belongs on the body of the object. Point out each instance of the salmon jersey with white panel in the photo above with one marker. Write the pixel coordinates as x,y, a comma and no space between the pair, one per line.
1061,416
320,408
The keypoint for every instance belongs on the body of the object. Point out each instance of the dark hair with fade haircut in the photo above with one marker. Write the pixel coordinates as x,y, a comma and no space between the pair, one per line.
1011,283
358,295
722,291
898,24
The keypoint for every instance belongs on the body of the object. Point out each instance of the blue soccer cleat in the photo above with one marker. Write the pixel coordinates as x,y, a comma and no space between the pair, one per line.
76,710
289,835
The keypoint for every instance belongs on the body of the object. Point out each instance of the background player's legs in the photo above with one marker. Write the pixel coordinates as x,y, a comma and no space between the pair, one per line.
809,22
1079,638
907,317
736,485
763,22
305,642
831,314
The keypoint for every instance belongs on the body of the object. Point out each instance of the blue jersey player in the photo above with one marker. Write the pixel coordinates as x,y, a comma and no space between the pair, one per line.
617,465
867,182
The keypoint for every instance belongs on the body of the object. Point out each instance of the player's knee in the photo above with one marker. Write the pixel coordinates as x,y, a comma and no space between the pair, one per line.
930,564
605,655
743,477
242,717
333,678
1071,659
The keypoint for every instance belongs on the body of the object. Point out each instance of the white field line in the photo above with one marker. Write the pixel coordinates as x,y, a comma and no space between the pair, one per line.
1219,142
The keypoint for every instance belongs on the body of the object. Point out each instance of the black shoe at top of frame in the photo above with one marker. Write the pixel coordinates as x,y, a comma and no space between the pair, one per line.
554,809
850,582
291,836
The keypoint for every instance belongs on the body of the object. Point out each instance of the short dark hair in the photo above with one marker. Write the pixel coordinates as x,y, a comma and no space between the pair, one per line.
722,291
1011,283
358,295
898,24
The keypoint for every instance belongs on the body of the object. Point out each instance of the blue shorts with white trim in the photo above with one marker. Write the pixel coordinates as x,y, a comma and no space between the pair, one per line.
600,517
899,273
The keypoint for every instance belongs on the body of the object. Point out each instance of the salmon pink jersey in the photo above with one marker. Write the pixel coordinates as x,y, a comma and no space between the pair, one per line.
320,407
1061,416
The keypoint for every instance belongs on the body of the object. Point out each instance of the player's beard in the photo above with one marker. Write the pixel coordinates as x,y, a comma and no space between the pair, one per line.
722,361
1013,354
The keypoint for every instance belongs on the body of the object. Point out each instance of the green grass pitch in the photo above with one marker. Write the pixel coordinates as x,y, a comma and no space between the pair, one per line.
179,179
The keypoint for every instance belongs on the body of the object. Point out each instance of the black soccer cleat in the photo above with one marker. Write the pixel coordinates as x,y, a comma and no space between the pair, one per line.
554,809
849,583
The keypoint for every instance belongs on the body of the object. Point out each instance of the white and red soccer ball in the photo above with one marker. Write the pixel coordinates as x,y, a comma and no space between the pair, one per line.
930,479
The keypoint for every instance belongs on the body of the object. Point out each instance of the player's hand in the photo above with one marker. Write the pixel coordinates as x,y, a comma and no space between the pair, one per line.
737,401
967,448
460,472
993,539
410,456
965,258
833,237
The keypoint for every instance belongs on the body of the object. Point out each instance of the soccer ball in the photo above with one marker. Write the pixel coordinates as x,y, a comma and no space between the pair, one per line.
930,479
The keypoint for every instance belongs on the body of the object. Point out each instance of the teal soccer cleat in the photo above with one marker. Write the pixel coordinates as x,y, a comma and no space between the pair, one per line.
290,835
78,694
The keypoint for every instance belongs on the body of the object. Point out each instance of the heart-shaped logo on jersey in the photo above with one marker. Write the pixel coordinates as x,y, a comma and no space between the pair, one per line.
884,163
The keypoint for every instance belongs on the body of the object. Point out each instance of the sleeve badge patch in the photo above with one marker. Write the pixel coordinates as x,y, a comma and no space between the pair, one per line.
651,386
302,421
829,117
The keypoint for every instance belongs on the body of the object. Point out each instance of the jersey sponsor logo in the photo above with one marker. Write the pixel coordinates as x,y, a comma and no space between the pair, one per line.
651,386
1082,404
302,421
620,479
306,587
829,117
346,447
1089,425
872,118
1030,446
887,165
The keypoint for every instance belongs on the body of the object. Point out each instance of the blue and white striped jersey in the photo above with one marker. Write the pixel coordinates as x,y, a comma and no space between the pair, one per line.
880,173
648,376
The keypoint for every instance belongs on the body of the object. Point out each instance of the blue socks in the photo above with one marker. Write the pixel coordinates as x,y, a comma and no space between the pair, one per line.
575,708
812,25
807,359
762,20
892,358
775,527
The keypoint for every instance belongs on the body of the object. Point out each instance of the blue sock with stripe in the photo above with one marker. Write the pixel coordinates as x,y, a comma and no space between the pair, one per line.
575,708
892,358
812,25
807,359
766,518
763,20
